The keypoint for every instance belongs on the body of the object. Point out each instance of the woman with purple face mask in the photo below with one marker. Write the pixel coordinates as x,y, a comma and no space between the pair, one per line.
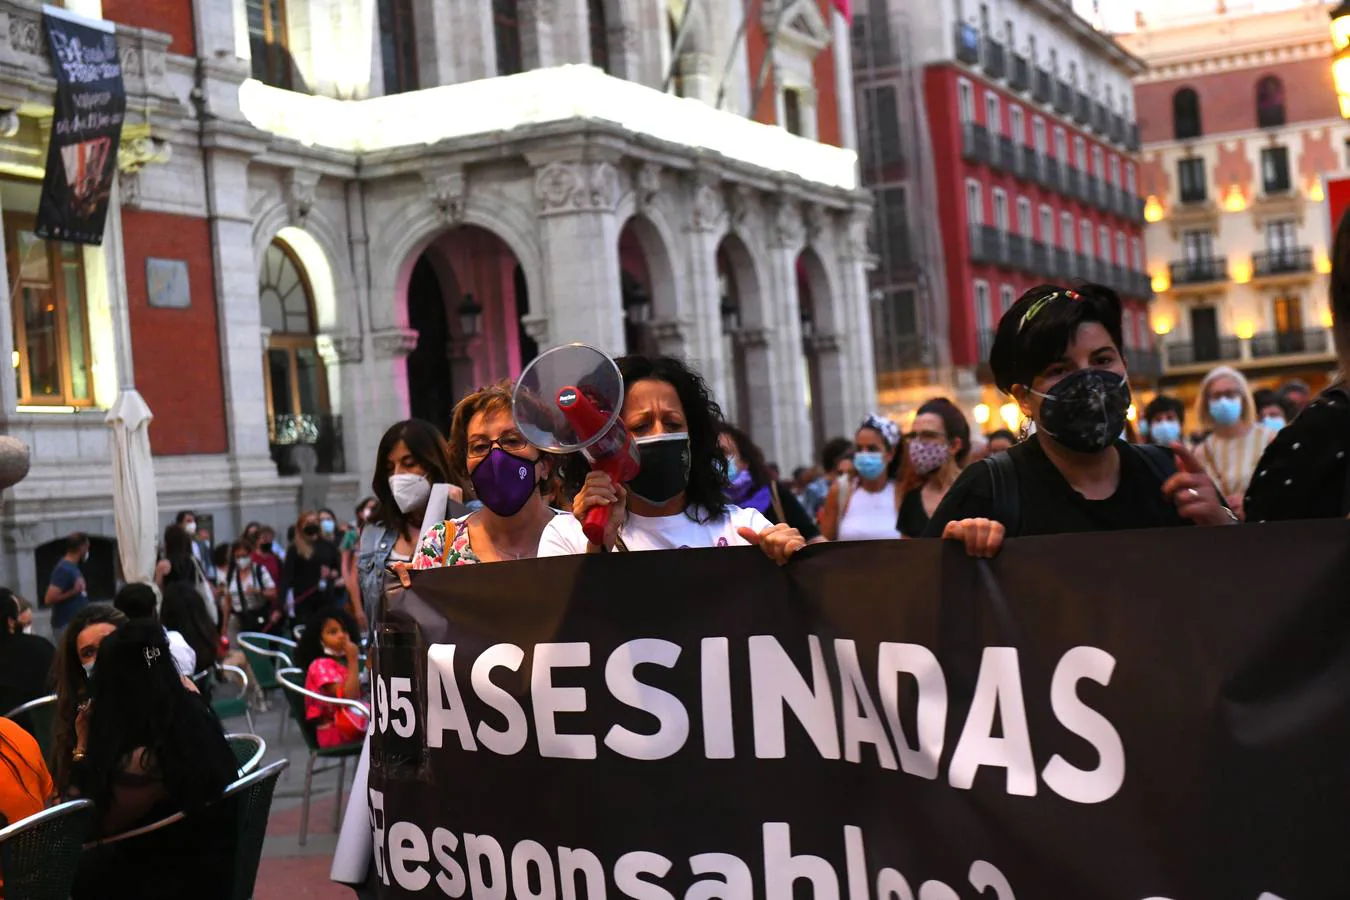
512,479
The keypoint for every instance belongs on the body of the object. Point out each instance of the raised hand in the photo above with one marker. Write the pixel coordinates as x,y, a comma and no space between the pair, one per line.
1194,493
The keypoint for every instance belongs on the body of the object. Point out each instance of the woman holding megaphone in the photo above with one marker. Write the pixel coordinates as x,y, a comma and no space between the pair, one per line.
677,500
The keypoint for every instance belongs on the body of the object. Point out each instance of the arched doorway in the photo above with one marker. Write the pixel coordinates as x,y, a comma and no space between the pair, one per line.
464,295
739,312
813,300
648,289
635,285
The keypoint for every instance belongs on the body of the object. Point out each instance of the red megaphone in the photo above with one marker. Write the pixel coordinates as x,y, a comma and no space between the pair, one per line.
614,453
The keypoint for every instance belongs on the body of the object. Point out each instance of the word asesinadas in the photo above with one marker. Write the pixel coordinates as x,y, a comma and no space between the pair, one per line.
481,867
839,719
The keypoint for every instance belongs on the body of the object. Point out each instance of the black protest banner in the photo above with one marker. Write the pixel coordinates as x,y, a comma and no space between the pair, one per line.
1155,715
91,103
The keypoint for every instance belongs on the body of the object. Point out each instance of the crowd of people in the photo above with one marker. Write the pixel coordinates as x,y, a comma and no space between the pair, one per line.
133,734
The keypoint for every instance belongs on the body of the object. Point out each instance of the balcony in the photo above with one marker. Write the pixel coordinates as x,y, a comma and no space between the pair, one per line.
1041,262
1117,129
1110,199
1101,119
1041,86
1132,137
1082,109
1201,270
306,444
1216,349
967,43
975,144
1139,285
1193,195
1082,267
1092,190
1030,166
1021,73
985,339
1063,98
1291,343
988,245
1063,267
1019,252
1289,261
1072,179
1006,157
1144,363
995,60
1050,173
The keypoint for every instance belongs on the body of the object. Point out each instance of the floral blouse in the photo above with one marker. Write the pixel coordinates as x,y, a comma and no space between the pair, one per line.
436,550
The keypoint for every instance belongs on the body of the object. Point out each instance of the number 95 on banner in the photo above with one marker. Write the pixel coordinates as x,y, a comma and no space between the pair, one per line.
396,687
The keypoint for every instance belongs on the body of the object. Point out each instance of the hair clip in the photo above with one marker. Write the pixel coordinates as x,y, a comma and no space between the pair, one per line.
151,654
1043,302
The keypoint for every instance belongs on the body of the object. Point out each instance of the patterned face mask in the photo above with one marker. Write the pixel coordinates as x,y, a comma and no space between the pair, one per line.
928,456
1085,411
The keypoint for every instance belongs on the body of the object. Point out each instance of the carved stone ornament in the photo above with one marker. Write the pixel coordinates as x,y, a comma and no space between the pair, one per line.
448,191
787,223
340,348
752,336
822,344
396,344
708,206
817,222
138,152
859,223
25,34
536,327
647,184
564,187
129,55
300,187
129,184
741,204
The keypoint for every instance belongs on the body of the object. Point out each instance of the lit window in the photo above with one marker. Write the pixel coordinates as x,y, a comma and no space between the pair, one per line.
267,42
398,46
53,364
297,385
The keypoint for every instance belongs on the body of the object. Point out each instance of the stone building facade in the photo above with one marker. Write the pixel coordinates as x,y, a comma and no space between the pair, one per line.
335,214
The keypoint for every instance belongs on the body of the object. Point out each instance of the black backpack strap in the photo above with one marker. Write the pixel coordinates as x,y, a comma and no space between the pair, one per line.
1007,500
1159,460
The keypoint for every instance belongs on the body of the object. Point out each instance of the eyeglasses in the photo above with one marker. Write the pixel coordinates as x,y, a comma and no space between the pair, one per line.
926,436
511,442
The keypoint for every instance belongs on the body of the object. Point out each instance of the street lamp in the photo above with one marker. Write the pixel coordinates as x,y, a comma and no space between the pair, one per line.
470,317
731,317
808,324
639,306
1340,67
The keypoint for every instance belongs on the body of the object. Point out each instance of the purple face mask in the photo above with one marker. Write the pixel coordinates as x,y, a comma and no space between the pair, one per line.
504,482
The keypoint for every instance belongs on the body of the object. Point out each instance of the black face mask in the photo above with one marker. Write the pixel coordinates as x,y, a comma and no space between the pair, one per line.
665,468
311,531
1086,411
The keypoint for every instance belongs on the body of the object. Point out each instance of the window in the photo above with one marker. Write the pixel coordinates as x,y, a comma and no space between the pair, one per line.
1288,315
1197,245
880,129
892,214
1024,217
1120,249
1186,115
1066,230
1054,61
984,316
1281,238
1038,133
1136,255
53,364
1275,170
1127,327
974,202
965,101
297,386
506,35
1104,243
992,120
1015,120
1080,153
398,46
1115,170
1085,237
1005,299
1047,225
1191,180
1269,102
792,111
599,35
1129,178
1061,146
267,42
1098,167
1001,209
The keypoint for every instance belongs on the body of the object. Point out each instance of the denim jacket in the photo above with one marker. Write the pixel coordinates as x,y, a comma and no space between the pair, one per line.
372,561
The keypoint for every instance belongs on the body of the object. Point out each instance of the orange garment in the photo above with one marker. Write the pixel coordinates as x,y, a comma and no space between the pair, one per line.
28,795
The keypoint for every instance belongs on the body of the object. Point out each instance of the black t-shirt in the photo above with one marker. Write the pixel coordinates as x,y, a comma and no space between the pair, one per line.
913,519
794,512
25,666
1050,506
1303,473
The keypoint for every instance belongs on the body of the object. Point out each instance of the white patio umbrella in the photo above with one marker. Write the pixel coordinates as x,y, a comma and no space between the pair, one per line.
135,503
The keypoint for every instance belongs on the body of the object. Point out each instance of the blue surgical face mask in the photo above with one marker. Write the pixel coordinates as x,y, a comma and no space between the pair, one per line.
733,468
328,526
869,464
1166,432
1274,423
1142,425
1225,410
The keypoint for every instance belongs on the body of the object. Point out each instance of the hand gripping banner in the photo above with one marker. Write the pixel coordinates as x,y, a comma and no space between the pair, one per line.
1157,715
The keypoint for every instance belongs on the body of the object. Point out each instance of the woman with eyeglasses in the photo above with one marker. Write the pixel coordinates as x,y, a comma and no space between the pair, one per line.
863,504
935,452
1057,352
512,479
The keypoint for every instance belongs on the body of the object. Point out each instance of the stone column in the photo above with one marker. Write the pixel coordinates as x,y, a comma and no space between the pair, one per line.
834,390
383,397
474,49
572,32
793,445
697,78
854,309
580,238
8,390
760,417
709,339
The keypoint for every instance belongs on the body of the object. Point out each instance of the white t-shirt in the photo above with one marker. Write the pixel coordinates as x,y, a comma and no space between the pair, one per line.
184,657
564,537
870,517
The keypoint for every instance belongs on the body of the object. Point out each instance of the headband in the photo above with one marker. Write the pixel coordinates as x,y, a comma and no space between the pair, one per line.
884,427
1042,303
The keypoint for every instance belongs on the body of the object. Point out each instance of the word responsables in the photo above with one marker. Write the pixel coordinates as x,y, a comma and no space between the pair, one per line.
479,866
840,718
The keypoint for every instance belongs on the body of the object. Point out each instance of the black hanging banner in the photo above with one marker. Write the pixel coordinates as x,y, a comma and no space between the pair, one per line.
1157,715
91,103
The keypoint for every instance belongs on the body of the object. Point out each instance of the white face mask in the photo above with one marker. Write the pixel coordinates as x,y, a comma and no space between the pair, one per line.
190,528
410,491
28,629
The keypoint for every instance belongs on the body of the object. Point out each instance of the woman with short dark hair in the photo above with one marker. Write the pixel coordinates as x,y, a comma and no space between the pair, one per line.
1057,352
25,659
678,498
750,485
935,453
